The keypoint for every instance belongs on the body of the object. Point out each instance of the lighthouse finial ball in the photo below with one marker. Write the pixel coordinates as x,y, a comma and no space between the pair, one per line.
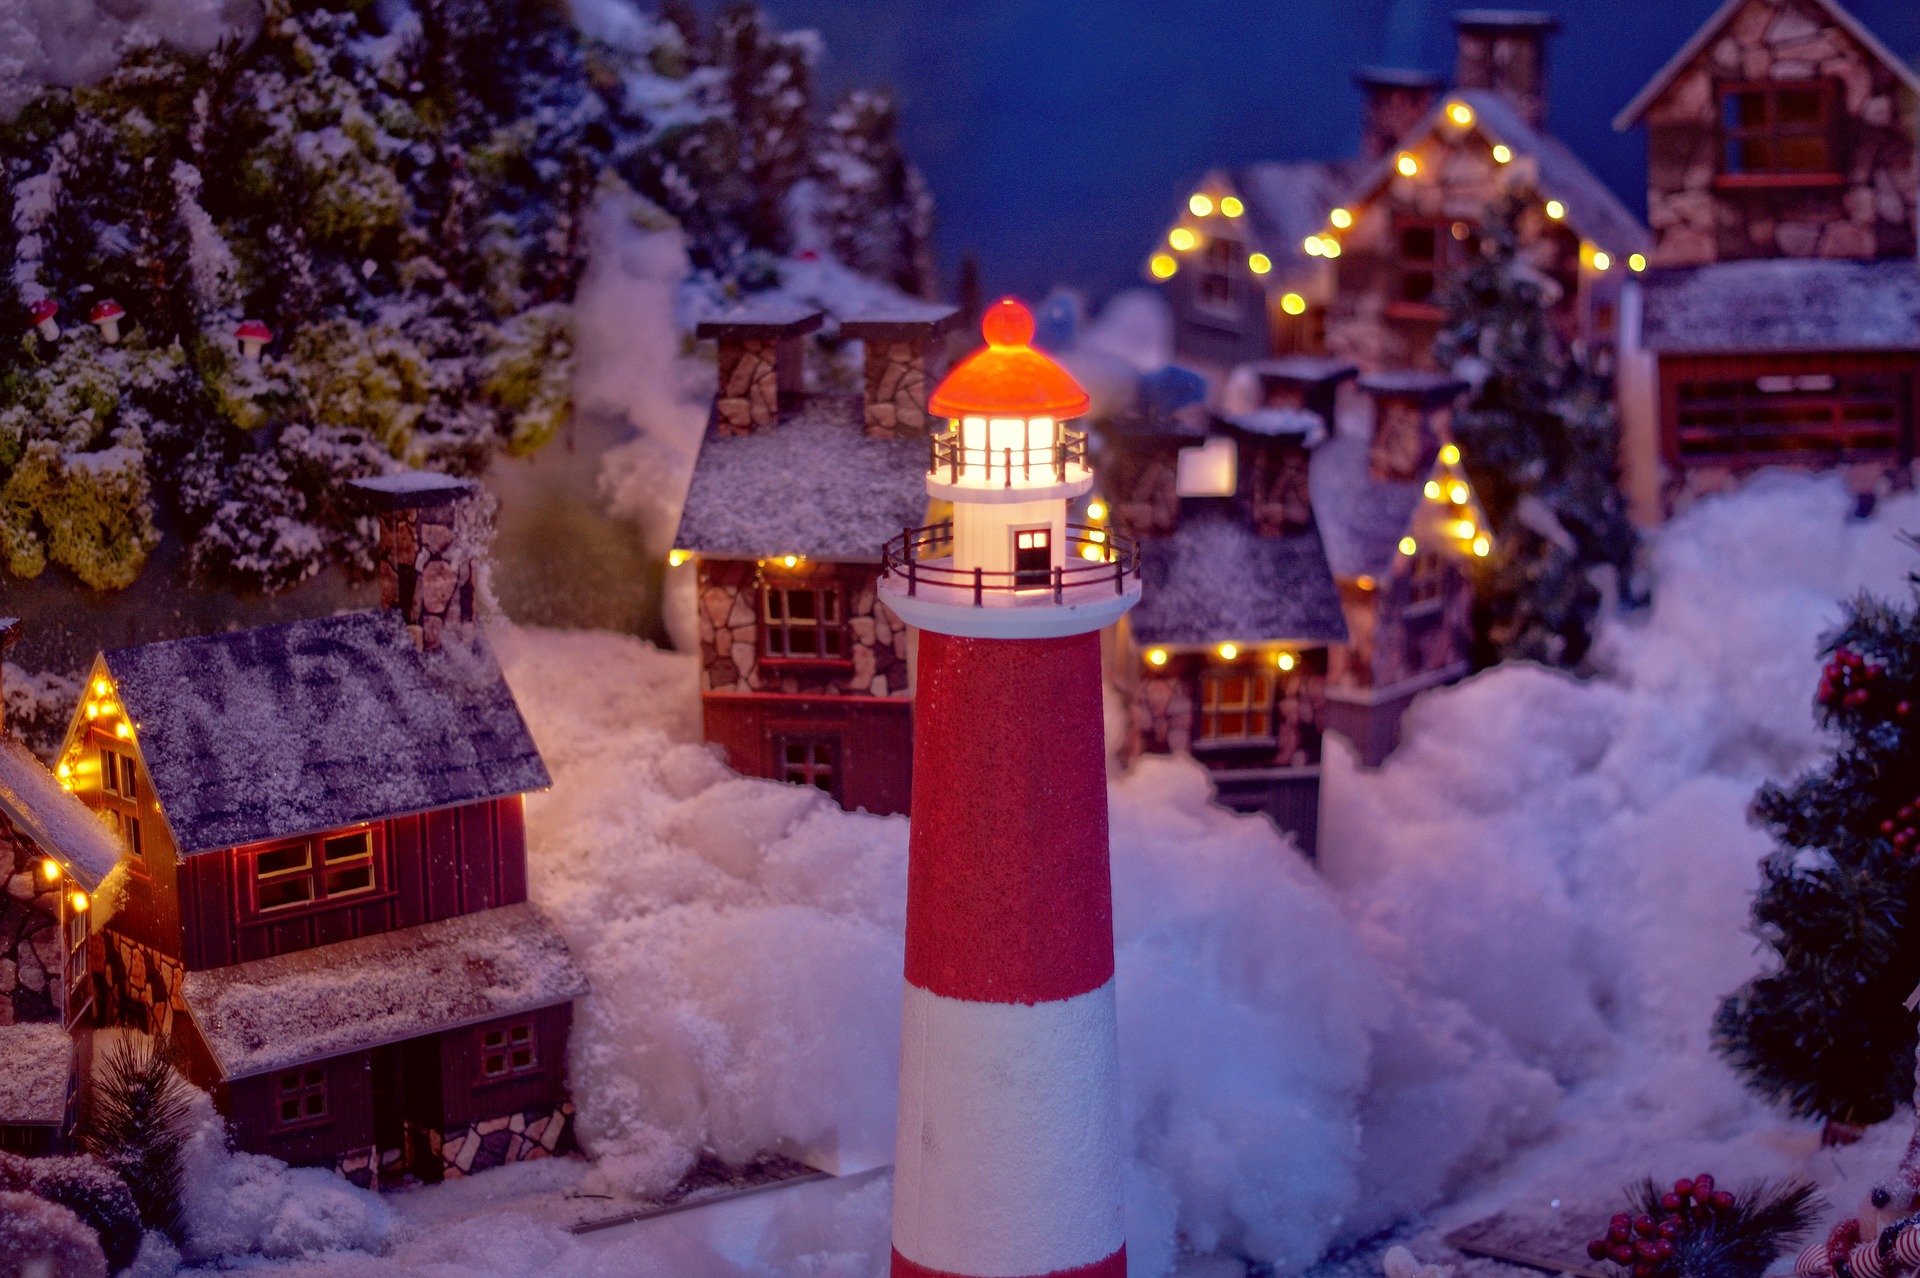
1007,323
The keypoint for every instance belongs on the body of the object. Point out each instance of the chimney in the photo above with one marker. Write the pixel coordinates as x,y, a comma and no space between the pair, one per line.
9,635
1505,51
1412,414
1396,100
433,544
900,345
762,362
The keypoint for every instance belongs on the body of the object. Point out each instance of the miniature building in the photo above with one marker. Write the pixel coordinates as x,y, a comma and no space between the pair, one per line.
805,674
1779,324
34,1088
319,892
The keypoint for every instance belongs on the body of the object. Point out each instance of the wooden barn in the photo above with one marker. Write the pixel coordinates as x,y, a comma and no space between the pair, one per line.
1780,325
805,675
320,895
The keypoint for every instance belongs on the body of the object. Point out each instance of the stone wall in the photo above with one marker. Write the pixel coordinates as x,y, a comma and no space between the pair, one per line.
427,556
1273,475
541,1132
896,389
1137,478
1392,640
135,985
1164,713
1869,214
731,658
749,391
29,934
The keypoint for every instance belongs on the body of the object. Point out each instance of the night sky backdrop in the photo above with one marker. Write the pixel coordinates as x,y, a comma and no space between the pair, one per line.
1059,134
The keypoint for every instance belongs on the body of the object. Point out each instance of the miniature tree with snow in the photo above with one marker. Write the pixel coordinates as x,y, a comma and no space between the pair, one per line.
1540,441
874,205
1827,1034
134,1122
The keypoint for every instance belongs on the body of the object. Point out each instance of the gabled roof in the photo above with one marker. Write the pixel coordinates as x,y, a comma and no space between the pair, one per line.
811,484
1215,579
1592,210
1630,114
1285,204
1361,518
311,1004
1783,304
312,725
59,824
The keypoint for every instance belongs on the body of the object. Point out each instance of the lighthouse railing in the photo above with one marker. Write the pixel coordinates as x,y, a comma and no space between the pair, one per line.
1097,559
950,458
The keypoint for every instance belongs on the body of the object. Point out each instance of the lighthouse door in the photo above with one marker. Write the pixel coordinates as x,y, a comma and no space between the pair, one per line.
1032,558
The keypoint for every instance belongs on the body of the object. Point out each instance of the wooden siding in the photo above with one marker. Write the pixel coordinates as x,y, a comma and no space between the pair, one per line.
253,1110
437,865
150,911
874,737
471,1097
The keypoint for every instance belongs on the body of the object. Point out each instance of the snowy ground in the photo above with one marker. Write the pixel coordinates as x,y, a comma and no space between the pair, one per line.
1496,991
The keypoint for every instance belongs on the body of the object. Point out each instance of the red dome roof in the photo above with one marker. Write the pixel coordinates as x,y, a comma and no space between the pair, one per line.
1008,378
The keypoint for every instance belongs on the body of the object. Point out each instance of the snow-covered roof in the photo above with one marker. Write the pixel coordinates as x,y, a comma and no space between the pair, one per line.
1215,579
1418,382
1361,519
1308,369
1276,422
1506,19
1592,209
811,484
763,316
409,488
1782,304
59,824
352,995
312,725
1630,114
895,318
33,1086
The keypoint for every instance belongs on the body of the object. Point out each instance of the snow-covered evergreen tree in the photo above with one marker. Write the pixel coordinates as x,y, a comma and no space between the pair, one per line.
874,207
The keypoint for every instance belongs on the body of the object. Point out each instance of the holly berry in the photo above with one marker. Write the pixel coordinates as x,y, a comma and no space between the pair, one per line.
1598,1249
1722,1200
1669,1230
1644,1226
1683,1187
1622,1255
1702,1186
1670,1201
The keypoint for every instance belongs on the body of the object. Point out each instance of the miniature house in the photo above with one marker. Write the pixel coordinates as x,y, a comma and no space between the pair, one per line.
35,1088
318,891
1781,324
805,674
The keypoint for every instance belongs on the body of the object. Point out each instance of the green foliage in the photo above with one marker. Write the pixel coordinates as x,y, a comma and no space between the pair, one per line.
1540,445
134,1121
1827,1034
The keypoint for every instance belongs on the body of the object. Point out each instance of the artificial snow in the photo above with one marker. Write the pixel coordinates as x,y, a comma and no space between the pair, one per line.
58,823
37,1061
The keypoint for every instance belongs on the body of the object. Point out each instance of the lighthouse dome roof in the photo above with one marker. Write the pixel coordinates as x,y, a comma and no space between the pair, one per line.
1007,377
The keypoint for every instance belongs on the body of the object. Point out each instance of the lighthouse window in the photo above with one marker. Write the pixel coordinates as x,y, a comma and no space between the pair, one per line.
1236,705
803,621
1032,558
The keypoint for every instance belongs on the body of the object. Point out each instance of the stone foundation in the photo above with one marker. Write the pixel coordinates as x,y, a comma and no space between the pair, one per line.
542,1132
135,985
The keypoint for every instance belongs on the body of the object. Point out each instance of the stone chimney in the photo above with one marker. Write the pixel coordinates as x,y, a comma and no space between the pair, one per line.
1505,51
1395,101
1412,414
762,362
433,545
902,344
9,635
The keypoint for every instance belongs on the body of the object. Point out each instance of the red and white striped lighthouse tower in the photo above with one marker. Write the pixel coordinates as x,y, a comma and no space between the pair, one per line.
1009,1156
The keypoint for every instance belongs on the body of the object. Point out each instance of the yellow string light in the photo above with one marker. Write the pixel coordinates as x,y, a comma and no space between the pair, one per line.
1459,494
1433,490
1481,546
1199,204
1163,266
1096,510
1340,218
50,870
1293,304
99,687
1556,210
1228,651
1636,262
1090,552
1406,164
1461,114
1408,545
1181,238
1502,153
1284,661
1450,454
1259,263
78,902
1313,246
1601,261
675,558
1231,206
1156,656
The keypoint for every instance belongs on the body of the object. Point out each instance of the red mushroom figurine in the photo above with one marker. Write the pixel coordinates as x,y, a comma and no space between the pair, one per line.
253,335
106,317
42,313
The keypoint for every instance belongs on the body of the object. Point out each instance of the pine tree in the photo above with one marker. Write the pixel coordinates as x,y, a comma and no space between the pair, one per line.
770,86
134,1119
1540,444
874,206
1827,1034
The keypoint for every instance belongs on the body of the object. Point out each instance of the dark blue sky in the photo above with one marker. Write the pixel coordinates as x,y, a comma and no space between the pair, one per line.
1058,134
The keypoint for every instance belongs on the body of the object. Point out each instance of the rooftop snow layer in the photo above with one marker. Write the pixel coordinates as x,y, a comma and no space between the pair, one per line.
409,488
812,484
1215,579
1361,519
33,1086
313,725
312,1004
1783,304
62,826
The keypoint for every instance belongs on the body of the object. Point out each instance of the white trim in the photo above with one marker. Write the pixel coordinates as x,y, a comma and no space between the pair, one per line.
949,610
1009,1157
1001,495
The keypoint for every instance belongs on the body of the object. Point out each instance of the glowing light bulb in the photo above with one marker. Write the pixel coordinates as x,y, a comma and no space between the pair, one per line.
1090,552
1406,164
1465,529
1284,661
1502,153
99,687
1408,545
791,561
1181,238
93,709
1556,210
1293,304
1259,263
1313,246
122,731
1200,205
1340,218
77,901
1330,246
1096,510
50,870
1231,206
1163,266
1461,114
1096,536
1156,656
1601,261
675,558
1228,651
1433,490
65,770
1364,582
1450,454
1459,494
1481,546
1637,262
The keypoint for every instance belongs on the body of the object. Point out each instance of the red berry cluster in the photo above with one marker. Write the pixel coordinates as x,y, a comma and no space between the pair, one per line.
1849,681
1644,1244
1901,828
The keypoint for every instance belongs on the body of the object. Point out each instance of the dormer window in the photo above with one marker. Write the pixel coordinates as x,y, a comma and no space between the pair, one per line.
1777,129
1214,284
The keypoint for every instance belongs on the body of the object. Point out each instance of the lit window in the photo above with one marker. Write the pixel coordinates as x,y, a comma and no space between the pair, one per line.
1778,128
802,621
1032,558
1207,470
314,873
509,1050
302,1097
1236,705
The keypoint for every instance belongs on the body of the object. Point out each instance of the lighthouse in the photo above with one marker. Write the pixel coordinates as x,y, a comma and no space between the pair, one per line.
1009,1149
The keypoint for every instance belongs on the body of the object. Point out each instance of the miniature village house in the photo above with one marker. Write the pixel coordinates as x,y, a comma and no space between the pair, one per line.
1781,324
319,886
806,675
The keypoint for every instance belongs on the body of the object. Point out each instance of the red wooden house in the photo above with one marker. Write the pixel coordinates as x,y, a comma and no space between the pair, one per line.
806,676
1781,324
321,889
